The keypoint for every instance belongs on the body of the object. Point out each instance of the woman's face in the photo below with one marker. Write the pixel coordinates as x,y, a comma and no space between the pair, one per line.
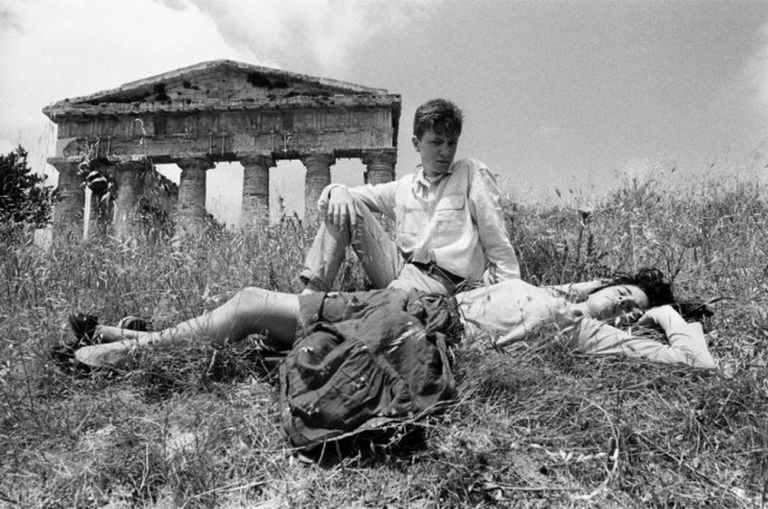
616,300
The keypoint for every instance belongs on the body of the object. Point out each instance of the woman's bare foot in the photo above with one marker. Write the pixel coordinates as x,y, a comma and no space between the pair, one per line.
105,355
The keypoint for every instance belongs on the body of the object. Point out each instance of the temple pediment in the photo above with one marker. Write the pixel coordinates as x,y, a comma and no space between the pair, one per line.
225,110
222,85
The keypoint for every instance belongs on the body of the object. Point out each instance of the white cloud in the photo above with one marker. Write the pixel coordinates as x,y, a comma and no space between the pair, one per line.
327,29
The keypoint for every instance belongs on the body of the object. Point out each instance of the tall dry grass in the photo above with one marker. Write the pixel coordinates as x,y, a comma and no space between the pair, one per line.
538,426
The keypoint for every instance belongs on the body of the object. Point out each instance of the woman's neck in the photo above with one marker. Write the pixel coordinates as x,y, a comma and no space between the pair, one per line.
580,309
568,314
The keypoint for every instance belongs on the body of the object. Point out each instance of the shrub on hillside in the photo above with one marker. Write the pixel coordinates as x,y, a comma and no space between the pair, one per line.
24,201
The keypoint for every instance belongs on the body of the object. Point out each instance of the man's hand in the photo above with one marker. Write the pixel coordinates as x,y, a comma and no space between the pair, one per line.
341,211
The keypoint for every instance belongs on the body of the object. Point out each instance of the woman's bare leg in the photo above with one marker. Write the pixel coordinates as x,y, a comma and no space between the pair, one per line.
252,310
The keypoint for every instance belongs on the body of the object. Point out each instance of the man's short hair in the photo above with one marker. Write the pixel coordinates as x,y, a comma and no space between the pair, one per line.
440,115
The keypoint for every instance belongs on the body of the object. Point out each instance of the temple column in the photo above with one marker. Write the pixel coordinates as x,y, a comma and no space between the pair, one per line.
100,209
129,177
93,215
190,211
318,176
380,166
68,211
254,212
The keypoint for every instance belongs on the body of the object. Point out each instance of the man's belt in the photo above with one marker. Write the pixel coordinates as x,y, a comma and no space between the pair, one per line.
445,277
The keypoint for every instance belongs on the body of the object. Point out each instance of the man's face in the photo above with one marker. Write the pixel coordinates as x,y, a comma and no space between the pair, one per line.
437,151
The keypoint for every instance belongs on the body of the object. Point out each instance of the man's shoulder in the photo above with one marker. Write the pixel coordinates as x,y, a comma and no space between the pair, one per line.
387,186
468,170
475,169
469,164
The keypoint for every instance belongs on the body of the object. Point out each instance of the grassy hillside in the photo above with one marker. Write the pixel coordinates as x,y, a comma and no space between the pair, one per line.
537,426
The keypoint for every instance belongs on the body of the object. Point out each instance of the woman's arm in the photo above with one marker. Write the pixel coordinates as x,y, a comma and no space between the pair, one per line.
687,345
581,290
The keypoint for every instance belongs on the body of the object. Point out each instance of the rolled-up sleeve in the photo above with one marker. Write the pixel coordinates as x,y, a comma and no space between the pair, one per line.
378,198
485,203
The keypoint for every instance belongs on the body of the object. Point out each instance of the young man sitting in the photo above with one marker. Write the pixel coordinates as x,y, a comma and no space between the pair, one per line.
449,227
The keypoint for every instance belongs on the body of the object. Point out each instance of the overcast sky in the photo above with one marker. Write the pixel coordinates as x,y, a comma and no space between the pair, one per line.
559,94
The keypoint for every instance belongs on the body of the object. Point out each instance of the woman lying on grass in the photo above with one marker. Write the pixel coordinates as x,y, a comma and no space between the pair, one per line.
507,312
511,311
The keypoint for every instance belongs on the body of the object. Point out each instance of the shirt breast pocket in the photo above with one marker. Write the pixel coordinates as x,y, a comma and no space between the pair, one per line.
449,213
408,223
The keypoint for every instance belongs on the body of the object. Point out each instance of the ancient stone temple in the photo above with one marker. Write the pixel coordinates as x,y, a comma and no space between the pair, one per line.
219,111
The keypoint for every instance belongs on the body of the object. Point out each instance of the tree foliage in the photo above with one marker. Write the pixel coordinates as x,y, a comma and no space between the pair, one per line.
23,197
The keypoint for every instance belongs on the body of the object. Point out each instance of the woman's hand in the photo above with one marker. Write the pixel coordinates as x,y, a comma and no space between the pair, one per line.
663,316
629,318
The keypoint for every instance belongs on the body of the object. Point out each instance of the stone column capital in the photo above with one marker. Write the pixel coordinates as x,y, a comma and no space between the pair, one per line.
261,160
61,163
386,157
57,161
318,158
104,164
380,165
139,165
195,163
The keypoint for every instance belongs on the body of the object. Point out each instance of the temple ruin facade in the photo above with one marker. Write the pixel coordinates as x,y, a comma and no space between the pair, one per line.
219,111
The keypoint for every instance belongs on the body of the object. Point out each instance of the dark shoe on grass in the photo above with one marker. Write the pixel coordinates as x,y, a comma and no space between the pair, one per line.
136,323
63,354
87,351
84,327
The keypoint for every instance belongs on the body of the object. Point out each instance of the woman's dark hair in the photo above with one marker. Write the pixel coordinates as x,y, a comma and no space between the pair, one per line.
651,281
659,292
